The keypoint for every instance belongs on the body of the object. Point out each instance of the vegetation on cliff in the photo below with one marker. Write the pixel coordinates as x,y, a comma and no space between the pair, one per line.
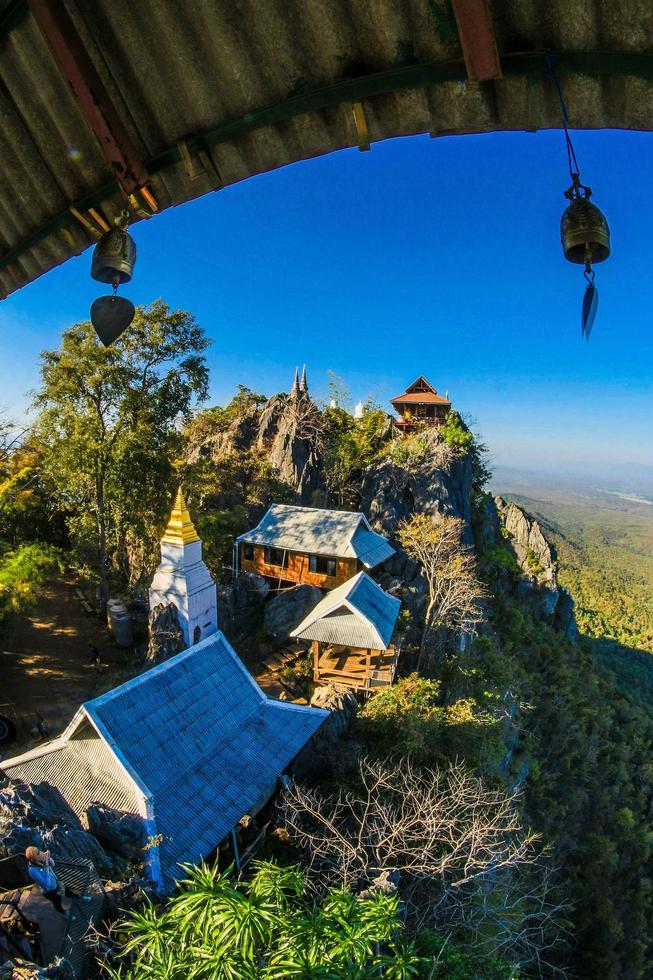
559,732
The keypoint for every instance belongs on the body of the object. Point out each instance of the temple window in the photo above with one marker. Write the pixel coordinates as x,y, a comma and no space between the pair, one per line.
323,566
273,556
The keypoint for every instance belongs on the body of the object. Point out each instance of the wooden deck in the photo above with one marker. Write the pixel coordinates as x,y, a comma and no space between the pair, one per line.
354,669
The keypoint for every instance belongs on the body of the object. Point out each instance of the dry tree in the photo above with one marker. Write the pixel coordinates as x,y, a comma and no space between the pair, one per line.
454,848
454,592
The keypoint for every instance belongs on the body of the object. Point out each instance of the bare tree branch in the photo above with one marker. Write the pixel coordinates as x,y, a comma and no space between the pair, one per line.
455,847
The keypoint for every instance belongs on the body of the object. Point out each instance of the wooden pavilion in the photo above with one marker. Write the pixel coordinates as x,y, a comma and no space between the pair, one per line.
351,632
420,405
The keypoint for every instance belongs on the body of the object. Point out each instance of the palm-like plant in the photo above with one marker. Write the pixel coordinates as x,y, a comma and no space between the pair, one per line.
267,927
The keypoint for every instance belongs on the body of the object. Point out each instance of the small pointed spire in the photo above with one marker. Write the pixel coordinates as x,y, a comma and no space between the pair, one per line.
180,529
304,384
295,385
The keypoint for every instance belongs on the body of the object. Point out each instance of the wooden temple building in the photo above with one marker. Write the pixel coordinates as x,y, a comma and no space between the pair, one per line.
420,405
351,632
309,545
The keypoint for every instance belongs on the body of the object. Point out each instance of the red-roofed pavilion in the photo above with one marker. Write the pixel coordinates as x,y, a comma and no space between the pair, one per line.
420,405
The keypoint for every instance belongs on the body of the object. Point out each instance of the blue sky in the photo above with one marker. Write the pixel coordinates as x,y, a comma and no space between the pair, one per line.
438,257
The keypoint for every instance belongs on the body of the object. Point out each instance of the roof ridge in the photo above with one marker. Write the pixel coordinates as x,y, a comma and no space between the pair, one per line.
316,510
160,669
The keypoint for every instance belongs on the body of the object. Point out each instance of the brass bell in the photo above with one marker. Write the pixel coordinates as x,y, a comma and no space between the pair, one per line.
584,230
114,257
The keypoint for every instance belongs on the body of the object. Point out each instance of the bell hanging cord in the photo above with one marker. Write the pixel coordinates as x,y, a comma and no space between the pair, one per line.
583,229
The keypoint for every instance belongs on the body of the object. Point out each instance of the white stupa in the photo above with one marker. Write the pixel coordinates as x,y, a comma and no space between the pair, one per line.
183,578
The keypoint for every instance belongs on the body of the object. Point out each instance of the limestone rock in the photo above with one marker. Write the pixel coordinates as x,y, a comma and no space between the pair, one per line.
37,815
320,754
238,437
240,604
435,482
121,833
343,707
166,635
538,587
289,429
287,610
537,558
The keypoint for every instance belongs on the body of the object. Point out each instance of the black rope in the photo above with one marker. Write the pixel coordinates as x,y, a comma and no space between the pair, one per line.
574,169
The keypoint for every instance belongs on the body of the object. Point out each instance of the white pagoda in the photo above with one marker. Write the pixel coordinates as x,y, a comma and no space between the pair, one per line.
183,579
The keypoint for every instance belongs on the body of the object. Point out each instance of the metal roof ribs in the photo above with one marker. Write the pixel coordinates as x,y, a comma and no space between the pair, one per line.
76,66
591,63
476,31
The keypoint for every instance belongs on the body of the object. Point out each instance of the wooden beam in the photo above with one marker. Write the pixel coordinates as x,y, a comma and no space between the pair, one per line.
479,44
360,121
76,66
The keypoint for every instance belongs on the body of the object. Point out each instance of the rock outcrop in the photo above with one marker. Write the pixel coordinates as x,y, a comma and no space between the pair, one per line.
430,479
286,432
37,815
166,635
240,605
320,753
287,610
536,557
435,481
121,833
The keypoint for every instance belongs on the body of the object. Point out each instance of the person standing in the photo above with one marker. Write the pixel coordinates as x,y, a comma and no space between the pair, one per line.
40,867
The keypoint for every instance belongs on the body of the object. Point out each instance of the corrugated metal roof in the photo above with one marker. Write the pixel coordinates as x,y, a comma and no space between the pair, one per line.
358,614
257,84
197,734
83,769
371,548
313,531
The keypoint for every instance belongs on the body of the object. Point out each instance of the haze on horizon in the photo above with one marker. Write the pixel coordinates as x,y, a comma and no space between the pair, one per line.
436,257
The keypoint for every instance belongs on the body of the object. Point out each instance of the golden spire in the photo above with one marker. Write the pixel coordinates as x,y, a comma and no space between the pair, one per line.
180,529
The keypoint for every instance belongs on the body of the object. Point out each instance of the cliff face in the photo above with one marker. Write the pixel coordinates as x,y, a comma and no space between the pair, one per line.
437,482
284,432
537,559
288,433
504,524
441,482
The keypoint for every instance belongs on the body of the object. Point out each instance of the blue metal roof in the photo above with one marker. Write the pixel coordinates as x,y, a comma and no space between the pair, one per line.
317,531
204,741
358,614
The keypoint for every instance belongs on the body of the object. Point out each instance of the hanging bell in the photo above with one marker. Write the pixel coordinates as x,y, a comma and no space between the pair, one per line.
114,257
583,229
113,261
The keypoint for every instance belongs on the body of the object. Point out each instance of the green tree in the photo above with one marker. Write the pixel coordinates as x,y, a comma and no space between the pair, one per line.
351,445
265,927
22,572
109,424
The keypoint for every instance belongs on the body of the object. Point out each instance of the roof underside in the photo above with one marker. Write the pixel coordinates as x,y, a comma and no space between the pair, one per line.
212,92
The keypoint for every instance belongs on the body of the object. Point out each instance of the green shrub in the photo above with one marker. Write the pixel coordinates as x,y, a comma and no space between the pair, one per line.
456,434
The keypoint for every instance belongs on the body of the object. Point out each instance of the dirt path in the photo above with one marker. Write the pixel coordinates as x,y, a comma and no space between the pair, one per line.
46,670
